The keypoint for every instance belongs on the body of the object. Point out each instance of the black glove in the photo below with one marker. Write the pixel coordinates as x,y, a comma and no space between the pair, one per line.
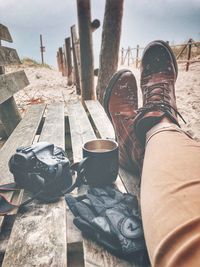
110,218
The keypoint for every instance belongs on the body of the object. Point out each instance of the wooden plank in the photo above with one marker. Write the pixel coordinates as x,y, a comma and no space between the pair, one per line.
98,257
81,129
27,127
5,34
100,119
81,132
42,238
9,115
53,129
12,83
27,244
74,237
8,56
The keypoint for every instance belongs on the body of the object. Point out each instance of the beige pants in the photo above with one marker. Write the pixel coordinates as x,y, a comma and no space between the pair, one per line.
170,200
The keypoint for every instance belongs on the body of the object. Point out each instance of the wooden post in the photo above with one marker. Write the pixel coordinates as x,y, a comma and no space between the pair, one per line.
64,61
9,113
86,53
61,60
122,55
58,60
68,60
137,56
131,56
110,44
189,54
42,49
128,56
76,58
182,50
125,55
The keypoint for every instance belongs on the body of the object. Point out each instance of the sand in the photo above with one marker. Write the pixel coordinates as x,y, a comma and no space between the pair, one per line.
48,86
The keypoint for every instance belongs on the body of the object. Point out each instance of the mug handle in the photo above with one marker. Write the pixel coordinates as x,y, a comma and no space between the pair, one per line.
80,169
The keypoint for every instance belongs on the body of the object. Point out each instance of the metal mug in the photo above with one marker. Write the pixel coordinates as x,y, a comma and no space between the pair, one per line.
100,163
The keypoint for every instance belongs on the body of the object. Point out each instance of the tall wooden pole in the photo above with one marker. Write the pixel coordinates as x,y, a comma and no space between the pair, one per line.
76,58
64,61
110,44
42,49
61,60
137,56
58,60
128,56
86,52
189,54
69,60
122,56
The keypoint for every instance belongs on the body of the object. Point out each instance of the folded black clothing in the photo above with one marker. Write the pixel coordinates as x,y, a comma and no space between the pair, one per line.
111,218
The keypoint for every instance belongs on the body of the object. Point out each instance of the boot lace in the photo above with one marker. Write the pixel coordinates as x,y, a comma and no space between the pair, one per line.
162,104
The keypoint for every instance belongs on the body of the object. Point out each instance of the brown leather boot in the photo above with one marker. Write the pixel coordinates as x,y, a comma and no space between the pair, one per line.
120,104
158,75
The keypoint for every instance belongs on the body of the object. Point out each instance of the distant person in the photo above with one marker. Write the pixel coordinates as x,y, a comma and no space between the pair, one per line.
170,179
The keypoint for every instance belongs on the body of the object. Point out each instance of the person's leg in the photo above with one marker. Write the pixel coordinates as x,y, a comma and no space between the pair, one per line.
170,183
170,199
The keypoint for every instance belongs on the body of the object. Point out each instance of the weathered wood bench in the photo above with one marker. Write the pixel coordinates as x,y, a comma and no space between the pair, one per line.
45,235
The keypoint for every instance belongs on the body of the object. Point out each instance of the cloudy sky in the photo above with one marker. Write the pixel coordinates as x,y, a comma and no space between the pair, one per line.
143,21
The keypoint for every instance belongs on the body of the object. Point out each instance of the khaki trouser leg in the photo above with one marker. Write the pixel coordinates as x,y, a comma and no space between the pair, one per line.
170,200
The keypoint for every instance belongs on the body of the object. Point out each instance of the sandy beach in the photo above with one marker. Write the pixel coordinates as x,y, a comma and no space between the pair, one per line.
48,86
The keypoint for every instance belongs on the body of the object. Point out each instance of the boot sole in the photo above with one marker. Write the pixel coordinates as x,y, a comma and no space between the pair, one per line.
169,50
109,88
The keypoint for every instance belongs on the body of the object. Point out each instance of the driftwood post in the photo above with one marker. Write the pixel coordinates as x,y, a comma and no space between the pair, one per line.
129,54
65,60
122,56
86,53
189,54
110,44
42,49
137,56
61,60
76,57
69,60
58,60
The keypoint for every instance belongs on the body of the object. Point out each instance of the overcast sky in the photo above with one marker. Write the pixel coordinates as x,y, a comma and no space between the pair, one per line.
143,21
